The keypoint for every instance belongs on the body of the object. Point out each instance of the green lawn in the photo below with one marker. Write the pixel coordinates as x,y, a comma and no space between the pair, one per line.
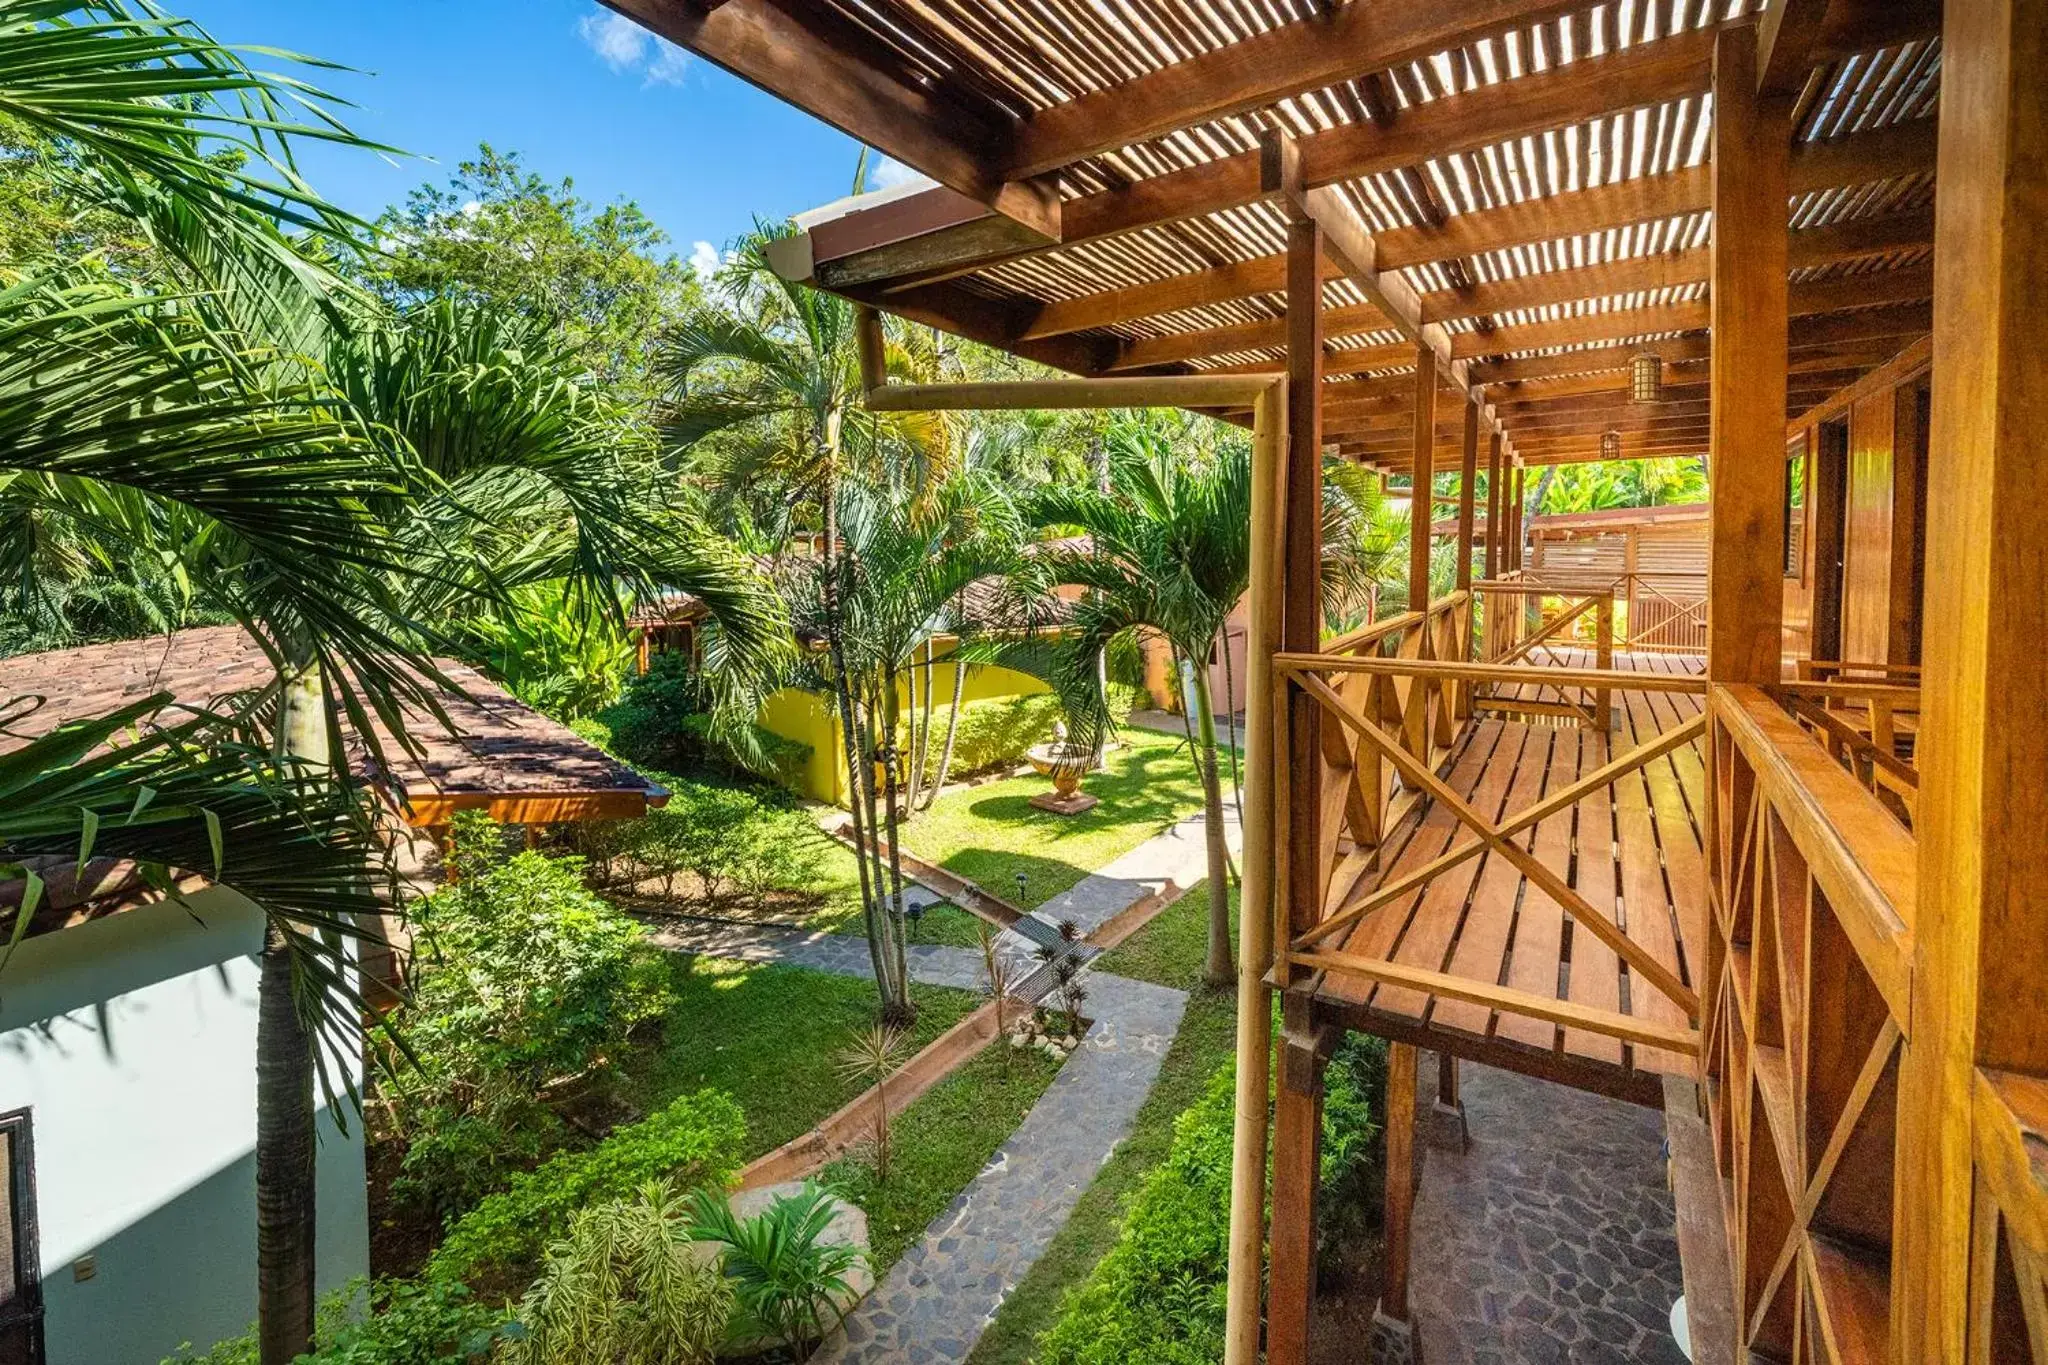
939,1144
837,886
1167,951
766,1035
991,833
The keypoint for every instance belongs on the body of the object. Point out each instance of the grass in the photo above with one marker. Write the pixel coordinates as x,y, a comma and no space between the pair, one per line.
1169,952
767,1035
939,1144
837,884
991,833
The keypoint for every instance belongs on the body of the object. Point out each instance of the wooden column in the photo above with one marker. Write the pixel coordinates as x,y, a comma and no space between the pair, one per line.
1301,627
1515,494
1494,562
1980,976
1255,902
1422,509
1746,384
1400,1196
1468,474
1297,1157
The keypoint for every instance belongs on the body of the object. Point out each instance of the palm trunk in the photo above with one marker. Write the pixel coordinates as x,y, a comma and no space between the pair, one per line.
1216,969
1230,714
952,730
285,1116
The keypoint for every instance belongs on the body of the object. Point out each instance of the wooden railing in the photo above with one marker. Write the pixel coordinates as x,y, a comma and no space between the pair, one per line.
1663,613
1866,722
1515,628
1808,1002
1387,722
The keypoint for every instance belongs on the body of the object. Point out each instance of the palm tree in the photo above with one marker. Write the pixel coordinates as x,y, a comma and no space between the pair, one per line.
1168,555
188,430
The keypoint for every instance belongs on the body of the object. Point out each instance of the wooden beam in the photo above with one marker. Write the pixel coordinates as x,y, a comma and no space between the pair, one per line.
1581,330
1301,622
836,72
1786,36
1422,460
1980,965
1239,280
1399,1208
1297,1139
1468,478
1493,500
1250,73
1860,157
1167,391
1746,536
1350,320
1667,270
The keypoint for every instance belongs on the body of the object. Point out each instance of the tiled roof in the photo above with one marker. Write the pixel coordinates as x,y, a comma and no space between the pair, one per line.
499,746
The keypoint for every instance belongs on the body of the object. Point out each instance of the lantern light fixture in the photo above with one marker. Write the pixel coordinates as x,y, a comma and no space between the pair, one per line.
1646,378
1610,444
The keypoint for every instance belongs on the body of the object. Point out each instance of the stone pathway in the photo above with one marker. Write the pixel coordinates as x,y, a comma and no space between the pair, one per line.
941,1296
935,1303
1550,1241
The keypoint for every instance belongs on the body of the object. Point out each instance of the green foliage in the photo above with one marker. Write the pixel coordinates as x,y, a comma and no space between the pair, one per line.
1598,485
565,663
994,732
623,1288
694,1141
409,1322
501,234
528,983
786,1276
664,720
1158,1296
728,838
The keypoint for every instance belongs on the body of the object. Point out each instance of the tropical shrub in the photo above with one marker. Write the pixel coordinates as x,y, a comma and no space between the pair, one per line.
662,720
558,659
625,1287
409,1322
1159,1294
728,838
527,984
993,733
786,1275
695,1140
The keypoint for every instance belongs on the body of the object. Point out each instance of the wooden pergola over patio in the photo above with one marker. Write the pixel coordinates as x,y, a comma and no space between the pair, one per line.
1423,235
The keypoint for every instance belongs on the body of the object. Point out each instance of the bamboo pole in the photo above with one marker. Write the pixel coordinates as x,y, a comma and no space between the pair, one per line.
1255,911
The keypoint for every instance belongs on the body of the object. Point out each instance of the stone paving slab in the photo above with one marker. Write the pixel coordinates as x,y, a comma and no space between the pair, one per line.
1179,854
936,1302
1552,1239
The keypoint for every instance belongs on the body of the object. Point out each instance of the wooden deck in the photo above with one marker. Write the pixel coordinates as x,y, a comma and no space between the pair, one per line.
1632,849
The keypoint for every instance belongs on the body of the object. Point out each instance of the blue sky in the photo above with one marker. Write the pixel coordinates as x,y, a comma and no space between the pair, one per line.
574,89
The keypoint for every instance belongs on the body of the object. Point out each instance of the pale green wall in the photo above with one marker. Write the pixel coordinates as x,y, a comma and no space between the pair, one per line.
132,1041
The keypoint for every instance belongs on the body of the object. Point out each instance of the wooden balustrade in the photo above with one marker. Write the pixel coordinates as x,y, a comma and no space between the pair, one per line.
1807,1004
1663,613
1866,723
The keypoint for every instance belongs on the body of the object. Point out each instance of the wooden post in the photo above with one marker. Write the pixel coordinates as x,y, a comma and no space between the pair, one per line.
1980,976
1495,563
1746,383
1297,1157
1422,506
1603,657
1301,622
1400,1179
1468,474
1255,902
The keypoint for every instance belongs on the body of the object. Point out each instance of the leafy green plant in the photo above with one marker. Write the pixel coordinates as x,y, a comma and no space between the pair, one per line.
408,1322
872,1057
786,1276
694,1141
625,1287
526,986
552,651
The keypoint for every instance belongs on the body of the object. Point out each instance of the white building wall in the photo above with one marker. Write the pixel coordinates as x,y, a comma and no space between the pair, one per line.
132,1039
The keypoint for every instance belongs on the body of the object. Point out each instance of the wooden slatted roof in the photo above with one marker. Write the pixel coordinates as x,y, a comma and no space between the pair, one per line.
1526,179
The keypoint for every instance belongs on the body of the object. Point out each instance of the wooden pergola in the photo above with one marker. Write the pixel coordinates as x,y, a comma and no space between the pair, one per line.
1506,234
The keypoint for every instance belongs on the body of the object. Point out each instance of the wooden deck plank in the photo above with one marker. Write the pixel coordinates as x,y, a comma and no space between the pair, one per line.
1413,843
1481,951
1538,944
1594,976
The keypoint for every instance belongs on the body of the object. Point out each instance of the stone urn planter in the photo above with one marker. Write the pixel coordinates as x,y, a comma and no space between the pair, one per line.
1063,763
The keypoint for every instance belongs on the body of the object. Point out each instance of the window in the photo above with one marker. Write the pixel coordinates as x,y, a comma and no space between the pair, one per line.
21,1291
1795,510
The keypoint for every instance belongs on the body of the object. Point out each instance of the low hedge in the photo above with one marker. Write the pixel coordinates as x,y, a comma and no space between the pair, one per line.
695,1140
1158,1296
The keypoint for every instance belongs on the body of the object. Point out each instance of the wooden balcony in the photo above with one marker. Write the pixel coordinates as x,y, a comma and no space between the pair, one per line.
1513,852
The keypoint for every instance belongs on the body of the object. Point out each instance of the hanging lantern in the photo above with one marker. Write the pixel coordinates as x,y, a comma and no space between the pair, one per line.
1646,378
1610,444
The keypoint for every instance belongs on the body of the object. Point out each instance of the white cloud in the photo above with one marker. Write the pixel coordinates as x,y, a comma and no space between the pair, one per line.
704,259
625,46
621,42
889,173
